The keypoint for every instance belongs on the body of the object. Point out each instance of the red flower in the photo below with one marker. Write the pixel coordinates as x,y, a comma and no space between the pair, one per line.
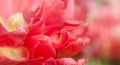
50,31
54,23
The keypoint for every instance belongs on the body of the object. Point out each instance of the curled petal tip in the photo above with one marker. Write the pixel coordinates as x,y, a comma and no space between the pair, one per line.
61,39
82,61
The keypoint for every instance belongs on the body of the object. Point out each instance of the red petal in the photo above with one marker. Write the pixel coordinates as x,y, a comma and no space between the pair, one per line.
51,12
73,47
59,40
40,46
35,28
2,30
12,39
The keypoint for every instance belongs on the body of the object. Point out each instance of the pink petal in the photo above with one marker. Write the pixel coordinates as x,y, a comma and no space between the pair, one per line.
64,61
9,7
81,61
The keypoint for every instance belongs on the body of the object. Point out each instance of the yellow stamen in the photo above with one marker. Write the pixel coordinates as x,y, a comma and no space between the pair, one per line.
16,22
13,53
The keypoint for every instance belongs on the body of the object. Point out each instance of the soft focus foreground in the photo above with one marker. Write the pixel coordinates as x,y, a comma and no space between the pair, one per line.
42,32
